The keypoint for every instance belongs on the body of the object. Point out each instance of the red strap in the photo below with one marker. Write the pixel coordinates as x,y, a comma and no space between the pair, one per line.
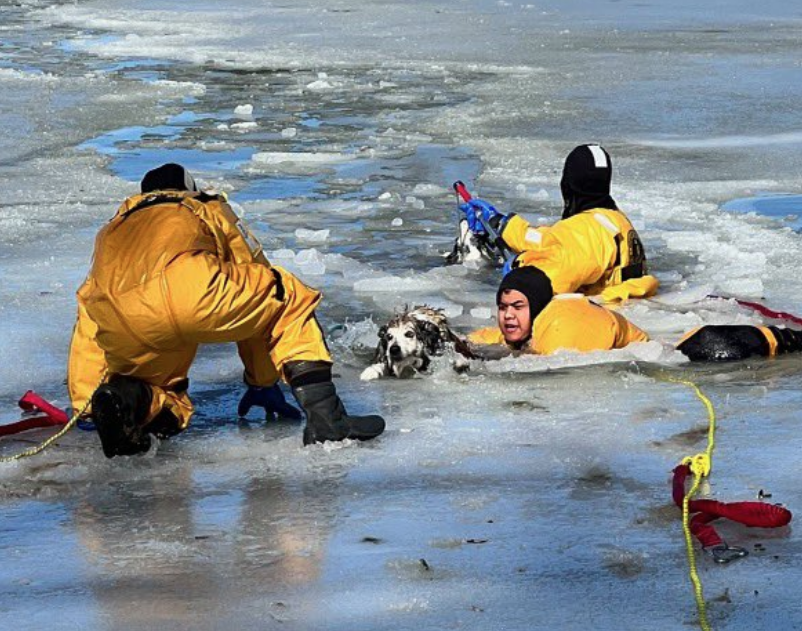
32,402
753,514
28,423
763,310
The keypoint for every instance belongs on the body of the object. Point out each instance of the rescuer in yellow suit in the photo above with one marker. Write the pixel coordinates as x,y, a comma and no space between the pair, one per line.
175,268
532,319
593,249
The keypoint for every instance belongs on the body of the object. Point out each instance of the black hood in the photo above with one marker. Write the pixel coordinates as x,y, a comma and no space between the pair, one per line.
168,177
586,179
532,283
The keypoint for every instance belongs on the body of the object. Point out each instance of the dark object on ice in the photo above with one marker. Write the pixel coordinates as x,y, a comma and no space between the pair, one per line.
168,177
425,565
119,407
729,342
761,495
476,540
326,418
723,553
271,400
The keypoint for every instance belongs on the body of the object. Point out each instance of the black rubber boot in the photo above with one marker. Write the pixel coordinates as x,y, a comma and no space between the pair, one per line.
326,418
119,408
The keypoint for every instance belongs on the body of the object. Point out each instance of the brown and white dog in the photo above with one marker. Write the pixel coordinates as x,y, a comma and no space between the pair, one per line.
409,341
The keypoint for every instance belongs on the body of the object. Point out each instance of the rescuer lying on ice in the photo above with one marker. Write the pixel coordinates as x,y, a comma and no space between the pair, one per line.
176,268
593,249
532,319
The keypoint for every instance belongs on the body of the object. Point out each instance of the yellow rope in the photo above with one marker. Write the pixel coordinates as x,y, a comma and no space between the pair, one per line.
46,443
700,465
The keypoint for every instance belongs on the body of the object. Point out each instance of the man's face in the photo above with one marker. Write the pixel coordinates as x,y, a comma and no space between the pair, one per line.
513,316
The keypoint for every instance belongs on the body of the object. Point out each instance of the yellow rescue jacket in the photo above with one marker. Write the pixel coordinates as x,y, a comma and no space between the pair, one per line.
593,252
174,269
129,295
573,322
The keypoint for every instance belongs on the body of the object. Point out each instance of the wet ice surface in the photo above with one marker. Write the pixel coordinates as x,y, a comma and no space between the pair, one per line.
530,493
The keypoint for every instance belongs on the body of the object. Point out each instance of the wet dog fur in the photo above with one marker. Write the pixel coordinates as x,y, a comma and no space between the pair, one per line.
408,342
472,247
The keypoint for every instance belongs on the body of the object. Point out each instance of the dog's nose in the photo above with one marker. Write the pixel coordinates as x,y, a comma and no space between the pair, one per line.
395,350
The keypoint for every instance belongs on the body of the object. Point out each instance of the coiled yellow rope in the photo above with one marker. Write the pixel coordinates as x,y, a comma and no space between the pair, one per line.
700,465
46,443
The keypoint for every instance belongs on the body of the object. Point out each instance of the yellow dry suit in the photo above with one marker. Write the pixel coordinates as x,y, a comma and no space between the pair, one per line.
175,269
596,251
572,322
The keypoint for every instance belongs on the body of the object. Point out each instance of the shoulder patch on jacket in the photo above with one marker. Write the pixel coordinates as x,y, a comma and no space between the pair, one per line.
606,223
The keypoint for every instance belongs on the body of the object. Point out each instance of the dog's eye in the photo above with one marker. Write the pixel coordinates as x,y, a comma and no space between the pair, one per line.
389,337
409,334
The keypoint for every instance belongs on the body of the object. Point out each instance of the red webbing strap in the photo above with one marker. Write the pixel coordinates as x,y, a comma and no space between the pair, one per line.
32,402
763,309
753,514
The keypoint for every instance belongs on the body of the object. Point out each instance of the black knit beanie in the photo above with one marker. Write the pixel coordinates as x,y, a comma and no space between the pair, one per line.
169,176
532,283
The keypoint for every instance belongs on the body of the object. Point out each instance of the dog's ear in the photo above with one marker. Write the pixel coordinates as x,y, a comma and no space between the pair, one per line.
380,356
430,336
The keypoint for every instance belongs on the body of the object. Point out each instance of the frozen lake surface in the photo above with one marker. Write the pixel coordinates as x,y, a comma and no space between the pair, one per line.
530,493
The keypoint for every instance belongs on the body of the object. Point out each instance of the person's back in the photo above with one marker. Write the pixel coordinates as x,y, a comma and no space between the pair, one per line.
176,268
593,248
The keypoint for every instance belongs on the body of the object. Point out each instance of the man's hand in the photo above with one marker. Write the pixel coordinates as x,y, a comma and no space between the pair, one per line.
271,399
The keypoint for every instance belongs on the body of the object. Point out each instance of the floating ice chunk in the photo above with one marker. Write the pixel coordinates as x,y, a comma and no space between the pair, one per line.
277,157
415,202
312,236
19,75
319,85
181,87
244,112
686,296
750,287
310,262
244,126
397,222
284,253
428,190
222,127
482,313
289,132
386,195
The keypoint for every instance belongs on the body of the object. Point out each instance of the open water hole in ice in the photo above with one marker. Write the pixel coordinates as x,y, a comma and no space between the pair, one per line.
531,494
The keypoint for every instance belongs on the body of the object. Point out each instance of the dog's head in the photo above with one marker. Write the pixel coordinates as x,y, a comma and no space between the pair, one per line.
472,247
409,341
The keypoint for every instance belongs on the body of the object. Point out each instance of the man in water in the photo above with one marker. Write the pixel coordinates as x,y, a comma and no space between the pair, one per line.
532,319
593,249
175,268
